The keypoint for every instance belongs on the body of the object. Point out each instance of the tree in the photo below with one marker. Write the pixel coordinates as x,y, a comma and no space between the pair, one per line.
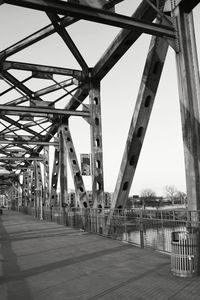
171,193
182,197
148,197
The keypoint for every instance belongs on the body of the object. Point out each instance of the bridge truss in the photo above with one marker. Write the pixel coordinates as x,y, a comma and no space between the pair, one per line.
29,123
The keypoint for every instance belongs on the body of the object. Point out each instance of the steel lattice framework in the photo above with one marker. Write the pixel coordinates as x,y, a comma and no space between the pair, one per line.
29,124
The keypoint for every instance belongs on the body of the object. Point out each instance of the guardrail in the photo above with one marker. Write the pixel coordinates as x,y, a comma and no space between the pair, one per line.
145,228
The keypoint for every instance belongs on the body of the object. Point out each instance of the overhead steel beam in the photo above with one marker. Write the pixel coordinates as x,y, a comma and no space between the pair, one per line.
188,6
123,41
14,142
21,158
75,101
23,140
18,137
34,38
11,150
68,41
42,92
6,65
43,111
111,3
95,15
55,87
78,97
14,128
2,151
20,126
16,83
12,87
115,51
23,168
7,149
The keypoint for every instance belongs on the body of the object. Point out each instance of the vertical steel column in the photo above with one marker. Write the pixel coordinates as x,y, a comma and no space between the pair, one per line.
81,194
25,187
15,194
63,169
38,189
54,178
20,194
96,146
29,187
32,186
38,183
46,176
189,93
10,197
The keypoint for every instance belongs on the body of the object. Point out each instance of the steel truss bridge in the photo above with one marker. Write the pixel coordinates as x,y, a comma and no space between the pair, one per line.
29,124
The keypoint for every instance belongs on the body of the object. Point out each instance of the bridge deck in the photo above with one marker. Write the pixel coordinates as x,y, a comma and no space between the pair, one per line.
42,260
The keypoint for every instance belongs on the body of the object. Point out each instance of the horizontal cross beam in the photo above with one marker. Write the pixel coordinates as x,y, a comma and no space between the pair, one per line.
6,65
21,137
21,158
44,111
20,142
95,15
23,168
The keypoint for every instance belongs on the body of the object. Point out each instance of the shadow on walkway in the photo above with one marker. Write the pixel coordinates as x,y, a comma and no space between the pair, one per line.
17,289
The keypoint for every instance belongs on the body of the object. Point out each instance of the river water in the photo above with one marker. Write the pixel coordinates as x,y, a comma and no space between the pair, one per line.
156,238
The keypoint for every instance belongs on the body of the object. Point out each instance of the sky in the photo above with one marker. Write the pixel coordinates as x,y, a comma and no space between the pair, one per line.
161,161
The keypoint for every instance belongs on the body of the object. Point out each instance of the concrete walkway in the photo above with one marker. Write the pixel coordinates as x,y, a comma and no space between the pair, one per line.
41,260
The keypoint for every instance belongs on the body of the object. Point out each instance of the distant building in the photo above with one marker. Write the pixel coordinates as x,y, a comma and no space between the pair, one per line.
3,200
135,200
107,199
73,200
138,202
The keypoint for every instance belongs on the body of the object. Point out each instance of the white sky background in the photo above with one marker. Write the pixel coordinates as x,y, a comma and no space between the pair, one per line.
161,161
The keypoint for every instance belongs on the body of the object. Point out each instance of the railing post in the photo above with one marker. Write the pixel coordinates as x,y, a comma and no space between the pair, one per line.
125,228
141,230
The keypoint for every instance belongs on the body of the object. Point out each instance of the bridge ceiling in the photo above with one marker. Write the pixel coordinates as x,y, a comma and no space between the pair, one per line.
36,97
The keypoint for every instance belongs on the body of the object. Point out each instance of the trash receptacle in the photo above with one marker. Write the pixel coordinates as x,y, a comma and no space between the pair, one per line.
185,254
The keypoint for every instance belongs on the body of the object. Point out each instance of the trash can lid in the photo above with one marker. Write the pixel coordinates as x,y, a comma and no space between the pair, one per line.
179,235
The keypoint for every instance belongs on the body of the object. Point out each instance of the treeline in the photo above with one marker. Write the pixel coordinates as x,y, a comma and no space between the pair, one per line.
148,198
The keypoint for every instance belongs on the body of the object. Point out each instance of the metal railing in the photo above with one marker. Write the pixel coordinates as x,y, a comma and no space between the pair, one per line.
145,228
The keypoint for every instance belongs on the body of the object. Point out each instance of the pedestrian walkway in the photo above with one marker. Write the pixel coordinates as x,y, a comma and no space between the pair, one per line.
40,260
